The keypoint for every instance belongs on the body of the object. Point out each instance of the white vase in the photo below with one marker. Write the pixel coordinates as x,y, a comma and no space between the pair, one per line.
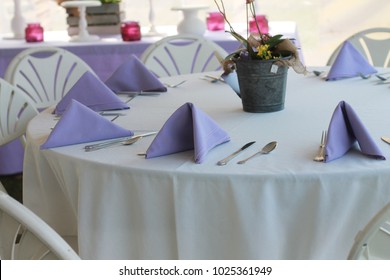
18,23
191,24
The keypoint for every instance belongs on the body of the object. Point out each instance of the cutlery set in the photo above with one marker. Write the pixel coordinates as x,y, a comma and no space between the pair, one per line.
174,85
265,150
212,79
123,141
383,78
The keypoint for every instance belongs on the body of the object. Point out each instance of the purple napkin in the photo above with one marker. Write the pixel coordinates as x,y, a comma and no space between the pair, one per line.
187,128
91,92
80,124
344,130
133,75
349,63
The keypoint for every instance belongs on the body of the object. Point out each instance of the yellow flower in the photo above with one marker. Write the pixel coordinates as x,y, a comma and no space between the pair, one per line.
263,52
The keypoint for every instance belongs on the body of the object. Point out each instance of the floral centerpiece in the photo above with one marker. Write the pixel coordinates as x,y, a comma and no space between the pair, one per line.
261,64
259,46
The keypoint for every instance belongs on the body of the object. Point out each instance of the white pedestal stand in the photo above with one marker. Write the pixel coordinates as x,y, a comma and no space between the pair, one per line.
152,31
83,35
191,24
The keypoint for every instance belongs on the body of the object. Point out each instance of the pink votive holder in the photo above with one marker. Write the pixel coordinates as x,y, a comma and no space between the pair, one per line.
215,21
34,33
262,22
130,31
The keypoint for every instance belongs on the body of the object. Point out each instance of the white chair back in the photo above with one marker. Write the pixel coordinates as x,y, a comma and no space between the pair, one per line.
373,242
16,111
183,54
24,236
45,74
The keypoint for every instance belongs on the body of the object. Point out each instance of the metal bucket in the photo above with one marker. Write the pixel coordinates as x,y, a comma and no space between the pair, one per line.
262,89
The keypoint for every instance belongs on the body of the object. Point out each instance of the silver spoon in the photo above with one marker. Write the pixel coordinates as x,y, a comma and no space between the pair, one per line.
265,150
174,85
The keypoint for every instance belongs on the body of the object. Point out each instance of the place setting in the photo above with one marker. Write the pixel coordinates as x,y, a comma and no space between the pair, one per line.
344,131
349,63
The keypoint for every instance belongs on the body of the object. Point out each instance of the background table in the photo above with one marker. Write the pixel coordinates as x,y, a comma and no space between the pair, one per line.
282,205
107,54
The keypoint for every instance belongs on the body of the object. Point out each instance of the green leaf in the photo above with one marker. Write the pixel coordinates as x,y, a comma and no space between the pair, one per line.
244,42
274,41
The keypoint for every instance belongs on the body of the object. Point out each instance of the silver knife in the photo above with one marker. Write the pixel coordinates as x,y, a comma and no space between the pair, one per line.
225,160
105,144
386,139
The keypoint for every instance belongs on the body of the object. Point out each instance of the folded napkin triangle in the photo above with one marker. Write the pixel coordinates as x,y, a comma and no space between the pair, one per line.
349,63
80,124
93,93
133,75
344,130
186,129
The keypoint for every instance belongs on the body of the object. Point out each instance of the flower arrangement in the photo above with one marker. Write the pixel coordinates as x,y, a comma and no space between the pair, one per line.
259,46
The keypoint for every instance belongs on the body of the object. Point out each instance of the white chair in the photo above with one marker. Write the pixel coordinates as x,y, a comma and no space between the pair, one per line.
373,242
16,111
45,74
373,44
183,54
24,236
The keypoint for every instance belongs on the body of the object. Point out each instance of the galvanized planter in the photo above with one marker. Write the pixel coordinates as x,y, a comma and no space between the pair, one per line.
262,90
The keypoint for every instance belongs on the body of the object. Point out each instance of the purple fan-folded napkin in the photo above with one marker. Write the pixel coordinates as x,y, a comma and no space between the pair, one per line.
132,75
344,130
80,124
187,128
349,63
93,93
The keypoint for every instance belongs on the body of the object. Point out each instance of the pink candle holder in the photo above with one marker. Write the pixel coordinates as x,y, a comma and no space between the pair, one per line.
131,31
262,22
34,33
215,21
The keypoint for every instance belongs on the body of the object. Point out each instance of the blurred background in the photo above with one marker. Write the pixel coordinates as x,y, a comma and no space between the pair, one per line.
322,24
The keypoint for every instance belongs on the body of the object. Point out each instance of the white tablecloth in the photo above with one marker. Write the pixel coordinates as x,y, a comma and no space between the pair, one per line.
277,206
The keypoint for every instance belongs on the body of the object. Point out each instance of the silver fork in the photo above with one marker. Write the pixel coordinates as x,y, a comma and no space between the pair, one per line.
321,152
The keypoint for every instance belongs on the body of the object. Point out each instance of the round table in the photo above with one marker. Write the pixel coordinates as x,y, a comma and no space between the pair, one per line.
283,205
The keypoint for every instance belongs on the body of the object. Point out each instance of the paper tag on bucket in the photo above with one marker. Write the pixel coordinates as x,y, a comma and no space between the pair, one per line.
274,68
